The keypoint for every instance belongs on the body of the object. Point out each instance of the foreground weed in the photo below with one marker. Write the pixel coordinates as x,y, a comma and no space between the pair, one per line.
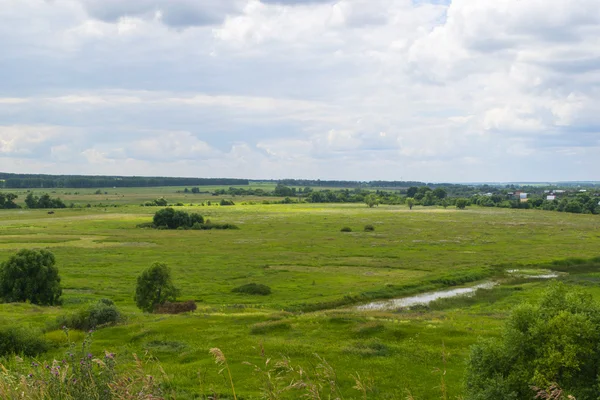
79,376
222,361
282,376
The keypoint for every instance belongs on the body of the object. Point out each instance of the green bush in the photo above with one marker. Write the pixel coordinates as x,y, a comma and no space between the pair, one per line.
346,229
30,275
21,341
253,288
369,228
552,342
104,312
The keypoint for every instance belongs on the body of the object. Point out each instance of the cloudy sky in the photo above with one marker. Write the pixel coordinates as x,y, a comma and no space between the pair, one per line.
433,90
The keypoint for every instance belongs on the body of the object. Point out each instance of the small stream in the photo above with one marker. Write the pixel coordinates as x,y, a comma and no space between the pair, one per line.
423,298
426,298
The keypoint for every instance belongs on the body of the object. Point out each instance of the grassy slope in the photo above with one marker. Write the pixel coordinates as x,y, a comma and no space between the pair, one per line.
299,251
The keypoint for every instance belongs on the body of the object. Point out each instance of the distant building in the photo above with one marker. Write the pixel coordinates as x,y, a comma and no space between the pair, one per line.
551,197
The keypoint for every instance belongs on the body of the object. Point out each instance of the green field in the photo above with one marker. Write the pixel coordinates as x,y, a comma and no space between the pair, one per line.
317,275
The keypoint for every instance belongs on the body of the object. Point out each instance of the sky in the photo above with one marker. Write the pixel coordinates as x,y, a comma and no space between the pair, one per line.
429,90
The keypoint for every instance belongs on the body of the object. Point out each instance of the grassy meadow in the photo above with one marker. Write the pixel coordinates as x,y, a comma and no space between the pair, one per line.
317,275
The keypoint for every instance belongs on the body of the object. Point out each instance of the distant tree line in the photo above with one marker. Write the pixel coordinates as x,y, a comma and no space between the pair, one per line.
580,203
27,181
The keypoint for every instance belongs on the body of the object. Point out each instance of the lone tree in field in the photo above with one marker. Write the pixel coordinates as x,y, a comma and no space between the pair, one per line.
551,344
371,200
154,287
30,275
461,204
410,202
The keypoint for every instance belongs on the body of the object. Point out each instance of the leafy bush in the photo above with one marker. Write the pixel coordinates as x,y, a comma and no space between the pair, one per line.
175,307
30,275
225,202
346,229
369,228
168,218
104,312
21,341
552,342
253,288
154,287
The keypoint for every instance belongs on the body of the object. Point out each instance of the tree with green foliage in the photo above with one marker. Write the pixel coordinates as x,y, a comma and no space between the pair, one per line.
412,191
371,200
551,343
7,201
44,201
410,202
30,275
461,204
170,219
440,193
154,287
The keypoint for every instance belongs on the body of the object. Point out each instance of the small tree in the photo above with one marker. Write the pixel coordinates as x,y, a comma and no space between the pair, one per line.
461,204
30,275
371,200
154,287
410,202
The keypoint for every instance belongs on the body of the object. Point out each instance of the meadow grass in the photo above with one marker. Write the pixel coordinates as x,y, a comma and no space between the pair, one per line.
299,252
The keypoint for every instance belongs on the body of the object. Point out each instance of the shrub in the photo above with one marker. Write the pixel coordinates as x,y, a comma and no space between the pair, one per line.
30,275
21,341
225,202
154,287
168,218
346,229
175,308
552,342
104,312
369,228
253,288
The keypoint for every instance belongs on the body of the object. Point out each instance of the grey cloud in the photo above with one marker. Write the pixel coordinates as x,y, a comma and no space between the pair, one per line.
573,66
175,13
